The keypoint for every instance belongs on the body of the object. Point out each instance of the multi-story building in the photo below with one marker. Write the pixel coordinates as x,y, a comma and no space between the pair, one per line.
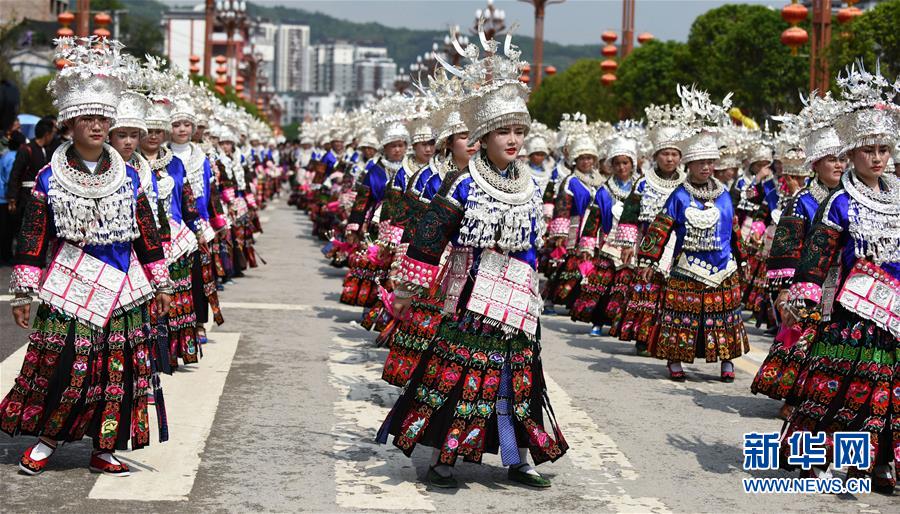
333,67
375,73
292,58
39,10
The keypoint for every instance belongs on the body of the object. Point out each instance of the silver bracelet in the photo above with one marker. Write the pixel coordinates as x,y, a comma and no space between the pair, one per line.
402,293
20,301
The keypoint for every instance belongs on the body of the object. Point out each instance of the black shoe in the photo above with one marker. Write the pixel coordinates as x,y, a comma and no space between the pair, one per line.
437,480
517,475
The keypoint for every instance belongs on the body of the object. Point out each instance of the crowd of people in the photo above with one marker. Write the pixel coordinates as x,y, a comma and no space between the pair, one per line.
461,222
128,222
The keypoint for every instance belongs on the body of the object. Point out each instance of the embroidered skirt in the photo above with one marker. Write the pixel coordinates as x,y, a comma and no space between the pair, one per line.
182,317
77,381
562,288
409,338
451,400
756,297
700,321
592,288
853,384
784,370
639,322
361,283
611,308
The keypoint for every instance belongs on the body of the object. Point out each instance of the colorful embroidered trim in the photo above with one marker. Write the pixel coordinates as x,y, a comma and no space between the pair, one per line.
626,233
25,279
416,272
805,291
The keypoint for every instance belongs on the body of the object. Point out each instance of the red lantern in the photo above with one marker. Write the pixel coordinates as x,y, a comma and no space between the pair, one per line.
221,81
550,70
609,66
222,70
65,19
794,13
609,50
607,79
240,79
194,69
526,69
194,59
609,36
525,79
239,88
848,14
643,37
220,59
101,20
794,37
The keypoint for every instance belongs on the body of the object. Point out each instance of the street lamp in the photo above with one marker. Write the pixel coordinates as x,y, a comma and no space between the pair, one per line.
493,20
539,7
450,50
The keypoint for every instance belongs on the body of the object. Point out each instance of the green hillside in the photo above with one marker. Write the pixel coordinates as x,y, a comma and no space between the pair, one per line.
403,44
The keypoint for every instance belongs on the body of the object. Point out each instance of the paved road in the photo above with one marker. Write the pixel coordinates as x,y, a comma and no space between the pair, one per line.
280,416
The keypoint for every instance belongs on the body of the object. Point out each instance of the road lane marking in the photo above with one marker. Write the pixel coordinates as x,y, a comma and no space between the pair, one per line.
166,471
367,475
10,367
287,307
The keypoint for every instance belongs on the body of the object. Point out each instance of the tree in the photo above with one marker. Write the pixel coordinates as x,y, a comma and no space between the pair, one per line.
873,37
649,76
578,89
35,99
737,48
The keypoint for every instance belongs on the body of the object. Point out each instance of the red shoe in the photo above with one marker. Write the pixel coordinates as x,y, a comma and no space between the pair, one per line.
99,465
31,466
676,376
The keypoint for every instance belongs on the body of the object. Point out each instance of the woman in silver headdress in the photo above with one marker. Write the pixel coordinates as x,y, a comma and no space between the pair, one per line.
479,386
853,378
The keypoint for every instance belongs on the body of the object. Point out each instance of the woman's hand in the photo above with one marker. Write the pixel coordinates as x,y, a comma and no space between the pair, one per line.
163,301
400,306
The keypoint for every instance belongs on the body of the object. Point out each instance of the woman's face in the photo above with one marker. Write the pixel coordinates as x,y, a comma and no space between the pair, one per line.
537,158
181,131
503,144
424,151
700,171
151,142
829,170
125,140
585,163
90,131
870,161
228,147
460,147
622,167
667,160
395,150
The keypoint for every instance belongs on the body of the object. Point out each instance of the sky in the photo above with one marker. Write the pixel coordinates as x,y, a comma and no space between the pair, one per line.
571,22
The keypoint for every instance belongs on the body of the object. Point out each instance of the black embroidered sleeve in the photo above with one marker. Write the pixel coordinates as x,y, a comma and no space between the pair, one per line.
562,207
360,205
631,210
189,211
549,192
820,250
787,243
148,245
593,223
392,206
654,242
738,251
165,231
35,233
439,223
415,210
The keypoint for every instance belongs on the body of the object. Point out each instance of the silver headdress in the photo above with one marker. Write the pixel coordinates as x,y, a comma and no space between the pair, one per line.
448,93
872,117
578,136
703,119
497,98
621,145
817,119
92,78
391,112
664,125
788,147
132,111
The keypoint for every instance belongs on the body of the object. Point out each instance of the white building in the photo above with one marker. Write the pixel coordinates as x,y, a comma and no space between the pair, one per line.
333,68
292,58
373,74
